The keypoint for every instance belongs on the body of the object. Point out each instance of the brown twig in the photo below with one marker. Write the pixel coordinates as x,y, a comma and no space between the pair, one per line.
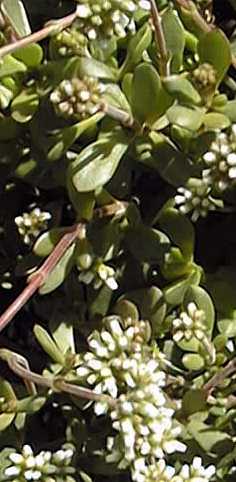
160,39
49,29
55,384
219,377
38,278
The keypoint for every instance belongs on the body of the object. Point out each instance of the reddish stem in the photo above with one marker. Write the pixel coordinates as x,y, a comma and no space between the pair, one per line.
39,277
39,35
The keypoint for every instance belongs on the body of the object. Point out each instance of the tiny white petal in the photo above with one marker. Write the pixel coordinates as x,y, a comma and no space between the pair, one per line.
12,471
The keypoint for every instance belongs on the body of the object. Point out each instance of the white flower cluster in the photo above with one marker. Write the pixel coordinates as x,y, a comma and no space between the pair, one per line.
219,174
121,363
79,98
195,197
99,274
160,472
45,467
31,224
144,422
190,325
114,356
220,161
106,18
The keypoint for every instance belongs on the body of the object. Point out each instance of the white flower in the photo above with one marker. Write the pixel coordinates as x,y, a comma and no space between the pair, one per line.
31,224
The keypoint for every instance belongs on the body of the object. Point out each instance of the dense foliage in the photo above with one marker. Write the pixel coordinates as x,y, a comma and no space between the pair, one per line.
118,206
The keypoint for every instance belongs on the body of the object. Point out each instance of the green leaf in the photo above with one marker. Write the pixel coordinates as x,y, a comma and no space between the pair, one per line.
194,401
93,68
106,240
96,164
222,286
47,241
137,45
15,13
6,420
181,89
63,335
11,66
214,49
190,118
30,404
126,309
175,291
49,345
227,327
208,438
146,92
64,139
172,164
175,265
193,362
99,301
31,55
179,229
24,106
114,96
59,273
215,120
7,393
229,110
127,82
147,244
6,95
83,202
174,37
